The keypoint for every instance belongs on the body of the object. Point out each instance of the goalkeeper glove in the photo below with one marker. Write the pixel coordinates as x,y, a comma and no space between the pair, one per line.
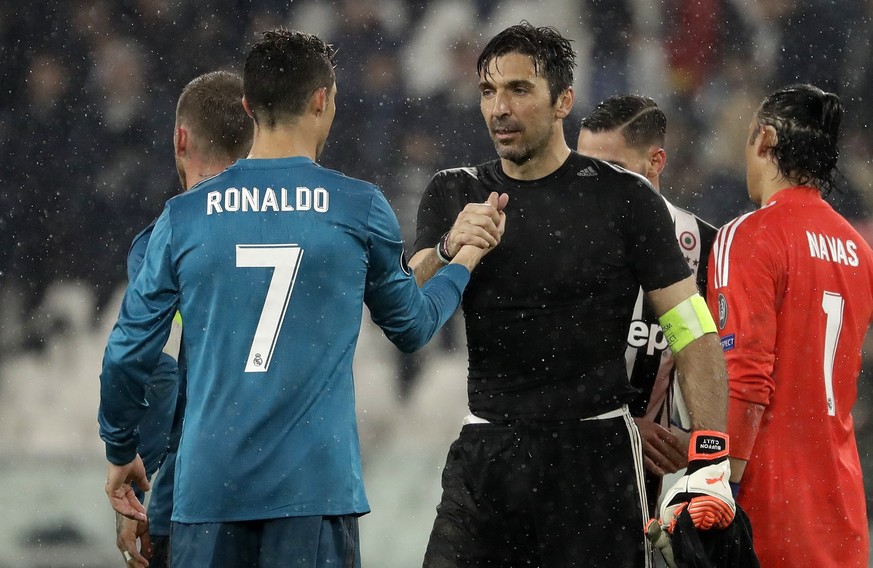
704,490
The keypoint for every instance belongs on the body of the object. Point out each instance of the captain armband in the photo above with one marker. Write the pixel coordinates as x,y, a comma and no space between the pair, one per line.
686,322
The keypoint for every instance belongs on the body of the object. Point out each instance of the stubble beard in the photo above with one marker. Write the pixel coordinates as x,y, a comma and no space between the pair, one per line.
522,152
514,155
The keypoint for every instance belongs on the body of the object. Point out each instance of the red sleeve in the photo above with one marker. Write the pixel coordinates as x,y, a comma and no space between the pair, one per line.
742,295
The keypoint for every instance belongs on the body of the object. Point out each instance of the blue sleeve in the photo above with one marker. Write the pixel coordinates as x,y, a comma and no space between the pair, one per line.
135,346
162,390
136,253
155,427
409,316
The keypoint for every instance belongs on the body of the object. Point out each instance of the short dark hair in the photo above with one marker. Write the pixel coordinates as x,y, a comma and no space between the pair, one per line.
638,118
807,122
553,57
282,71
211,106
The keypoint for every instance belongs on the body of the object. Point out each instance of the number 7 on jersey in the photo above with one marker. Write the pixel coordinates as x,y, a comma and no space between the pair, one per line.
284,260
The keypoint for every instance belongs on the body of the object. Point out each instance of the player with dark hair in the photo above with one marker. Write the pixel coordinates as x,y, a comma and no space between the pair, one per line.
270,264
212,131
792,286
547,470
630,131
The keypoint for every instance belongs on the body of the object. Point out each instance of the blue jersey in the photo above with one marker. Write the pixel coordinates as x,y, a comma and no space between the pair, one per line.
269,263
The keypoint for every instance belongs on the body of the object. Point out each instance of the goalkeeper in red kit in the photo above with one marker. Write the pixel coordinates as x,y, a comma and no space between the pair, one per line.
792,287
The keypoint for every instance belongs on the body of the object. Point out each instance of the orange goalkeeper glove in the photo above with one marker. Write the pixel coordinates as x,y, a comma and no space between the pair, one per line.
704,490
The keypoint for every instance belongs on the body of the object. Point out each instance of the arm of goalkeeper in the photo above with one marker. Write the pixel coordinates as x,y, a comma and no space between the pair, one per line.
704,491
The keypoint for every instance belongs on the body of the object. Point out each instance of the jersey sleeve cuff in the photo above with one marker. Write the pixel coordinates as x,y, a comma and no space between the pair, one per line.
744,420
121,453
457,275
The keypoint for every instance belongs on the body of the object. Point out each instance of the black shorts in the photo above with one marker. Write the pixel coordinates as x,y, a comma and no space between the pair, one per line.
548,495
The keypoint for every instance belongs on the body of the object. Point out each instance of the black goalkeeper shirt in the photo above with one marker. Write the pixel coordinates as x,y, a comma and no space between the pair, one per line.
547,312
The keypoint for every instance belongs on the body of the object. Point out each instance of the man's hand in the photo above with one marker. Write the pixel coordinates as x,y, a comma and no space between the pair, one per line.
127,532
119,490
704,490
480,225
663,452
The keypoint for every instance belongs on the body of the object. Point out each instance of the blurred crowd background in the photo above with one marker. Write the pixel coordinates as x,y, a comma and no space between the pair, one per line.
88,94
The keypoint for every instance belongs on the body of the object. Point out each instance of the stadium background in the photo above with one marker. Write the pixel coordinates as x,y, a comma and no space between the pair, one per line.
86,116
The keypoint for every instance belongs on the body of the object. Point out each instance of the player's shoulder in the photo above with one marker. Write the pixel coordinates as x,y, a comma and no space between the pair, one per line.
340,179
749,223
462,174
596,169
706,229
746,233
467,183
141,240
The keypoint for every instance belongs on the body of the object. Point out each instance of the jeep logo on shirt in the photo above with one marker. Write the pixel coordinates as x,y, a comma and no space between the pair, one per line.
650,336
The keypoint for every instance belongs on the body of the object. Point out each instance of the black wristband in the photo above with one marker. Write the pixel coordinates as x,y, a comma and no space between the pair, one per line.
442,249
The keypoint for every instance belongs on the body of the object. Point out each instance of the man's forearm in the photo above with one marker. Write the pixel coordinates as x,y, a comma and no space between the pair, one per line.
424,265
703,379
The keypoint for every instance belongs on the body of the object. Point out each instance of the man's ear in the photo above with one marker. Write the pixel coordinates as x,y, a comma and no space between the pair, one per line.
657,161
318,101
180,140
246,107
766,140
564,104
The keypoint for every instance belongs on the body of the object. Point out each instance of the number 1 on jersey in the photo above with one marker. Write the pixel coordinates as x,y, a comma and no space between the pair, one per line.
832,305
284,260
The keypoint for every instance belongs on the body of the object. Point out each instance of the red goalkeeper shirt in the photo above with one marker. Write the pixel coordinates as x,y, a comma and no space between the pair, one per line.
791,287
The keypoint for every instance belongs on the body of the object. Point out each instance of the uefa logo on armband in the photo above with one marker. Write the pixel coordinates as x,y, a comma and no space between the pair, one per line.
722,311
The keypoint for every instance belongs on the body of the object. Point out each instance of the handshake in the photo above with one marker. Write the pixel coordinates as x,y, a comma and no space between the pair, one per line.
477,230
703,492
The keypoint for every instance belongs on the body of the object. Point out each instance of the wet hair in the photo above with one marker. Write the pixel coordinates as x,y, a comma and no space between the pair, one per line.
211,107
638,118
282,70
552,55
807,122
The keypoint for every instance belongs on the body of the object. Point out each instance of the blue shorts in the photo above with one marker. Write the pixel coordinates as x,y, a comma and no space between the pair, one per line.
305,542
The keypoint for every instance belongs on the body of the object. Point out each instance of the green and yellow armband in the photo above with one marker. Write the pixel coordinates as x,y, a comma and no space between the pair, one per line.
686,322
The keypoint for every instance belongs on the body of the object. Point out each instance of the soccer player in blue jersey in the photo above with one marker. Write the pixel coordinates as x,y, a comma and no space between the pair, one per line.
270,264
212,131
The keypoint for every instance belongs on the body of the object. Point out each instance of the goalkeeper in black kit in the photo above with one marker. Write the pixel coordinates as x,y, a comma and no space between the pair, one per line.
548,468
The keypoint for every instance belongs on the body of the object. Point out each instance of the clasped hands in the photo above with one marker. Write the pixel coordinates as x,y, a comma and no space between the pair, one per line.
479,225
